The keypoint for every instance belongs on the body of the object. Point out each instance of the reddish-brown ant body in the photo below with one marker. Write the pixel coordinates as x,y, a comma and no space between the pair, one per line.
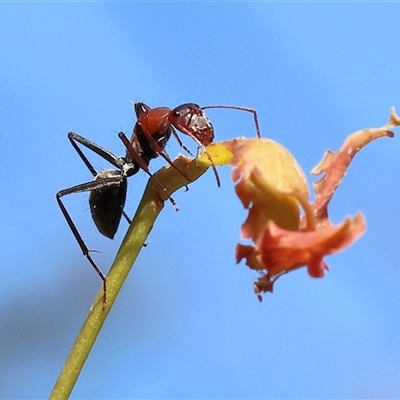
154,126
161,122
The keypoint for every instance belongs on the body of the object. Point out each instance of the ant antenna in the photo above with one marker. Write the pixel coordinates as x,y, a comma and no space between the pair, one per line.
247,109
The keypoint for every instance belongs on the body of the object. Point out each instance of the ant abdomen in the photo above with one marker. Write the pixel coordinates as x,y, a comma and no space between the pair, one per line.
107,203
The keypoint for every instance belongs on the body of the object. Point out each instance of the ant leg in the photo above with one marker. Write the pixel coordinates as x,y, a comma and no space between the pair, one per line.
140,108
212,165
181,144
251,110
160,151
144,166
128,220
86,187
102,152
201,146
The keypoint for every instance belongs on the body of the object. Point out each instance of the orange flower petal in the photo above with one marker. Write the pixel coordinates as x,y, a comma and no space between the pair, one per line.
270,183
280,251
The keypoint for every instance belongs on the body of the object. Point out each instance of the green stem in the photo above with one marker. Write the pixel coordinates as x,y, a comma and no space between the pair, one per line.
150,206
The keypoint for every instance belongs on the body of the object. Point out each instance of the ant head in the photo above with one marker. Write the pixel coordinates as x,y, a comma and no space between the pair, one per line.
190,119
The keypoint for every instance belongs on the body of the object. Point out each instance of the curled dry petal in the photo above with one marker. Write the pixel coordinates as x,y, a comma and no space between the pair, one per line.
272,186
335,165
279,251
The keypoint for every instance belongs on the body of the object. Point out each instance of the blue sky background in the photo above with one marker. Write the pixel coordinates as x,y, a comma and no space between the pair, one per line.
187,324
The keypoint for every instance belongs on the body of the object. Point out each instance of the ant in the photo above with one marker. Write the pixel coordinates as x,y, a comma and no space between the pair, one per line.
153,129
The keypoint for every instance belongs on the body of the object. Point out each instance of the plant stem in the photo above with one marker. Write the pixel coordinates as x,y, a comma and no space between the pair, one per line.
150,206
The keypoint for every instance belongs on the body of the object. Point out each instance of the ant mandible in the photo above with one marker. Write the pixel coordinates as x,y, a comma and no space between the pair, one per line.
107,192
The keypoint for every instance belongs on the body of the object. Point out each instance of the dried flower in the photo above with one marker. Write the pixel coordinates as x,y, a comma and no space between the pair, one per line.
287,230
